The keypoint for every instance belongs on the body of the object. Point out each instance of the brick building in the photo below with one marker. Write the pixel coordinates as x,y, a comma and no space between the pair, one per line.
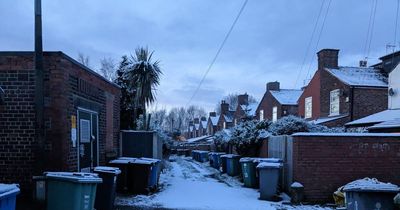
387,120
337,95
226,117
244,110
277,102
212,123
81,112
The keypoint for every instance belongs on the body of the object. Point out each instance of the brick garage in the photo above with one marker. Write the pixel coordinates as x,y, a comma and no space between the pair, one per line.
324,162
69,86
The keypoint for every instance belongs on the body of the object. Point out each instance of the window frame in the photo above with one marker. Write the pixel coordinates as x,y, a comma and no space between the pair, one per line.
308,107
274,114
332,94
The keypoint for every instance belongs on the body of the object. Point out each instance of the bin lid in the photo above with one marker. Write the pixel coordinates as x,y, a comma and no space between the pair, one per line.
269,165
127,158
78,177
271,160
6,188
106,169
120,161
230,156
246,159
150,159
143,162
370,185
202,152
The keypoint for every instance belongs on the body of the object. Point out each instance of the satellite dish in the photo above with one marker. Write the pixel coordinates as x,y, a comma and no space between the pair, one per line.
391,92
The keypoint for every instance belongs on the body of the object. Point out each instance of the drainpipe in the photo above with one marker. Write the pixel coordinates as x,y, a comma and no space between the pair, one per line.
39,95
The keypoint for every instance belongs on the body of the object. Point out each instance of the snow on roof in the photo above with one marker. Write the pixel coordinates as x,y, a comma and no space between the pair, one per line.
250,109
348,134
359,76
203,123
286,96
389,114
228,118
327,119
387,124
368,184
214,120
191,128
197,139
197,126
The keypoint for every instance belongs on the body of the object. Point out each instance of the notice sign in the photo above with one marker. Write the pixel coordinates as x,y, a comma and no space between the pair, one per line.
73,130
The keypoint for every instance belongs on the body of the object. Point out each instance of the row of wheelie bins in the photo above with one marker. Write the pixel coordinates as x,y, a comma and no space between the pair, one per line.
87,191
262,173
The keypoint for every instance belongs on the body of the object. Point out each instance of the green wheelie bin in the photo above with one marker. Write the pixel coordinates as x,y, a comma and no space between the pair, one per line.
71,191
249,172
233,165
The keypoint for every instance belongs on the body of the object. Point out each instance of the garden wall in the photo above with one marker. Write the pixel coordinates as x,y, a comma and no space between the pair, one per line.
322,162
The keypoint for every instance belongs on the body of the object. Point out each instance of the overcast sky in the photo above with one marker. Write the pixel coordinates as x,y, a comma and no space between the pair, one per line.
268,42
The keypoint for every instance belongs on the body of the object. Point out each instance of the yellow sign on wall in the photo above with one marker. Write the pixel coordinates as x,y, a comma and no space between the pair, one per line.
73,121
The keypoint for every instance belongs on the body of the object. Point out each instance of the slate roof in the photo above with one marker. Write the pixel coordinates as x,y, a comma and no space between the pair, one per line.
286,96
387,115
359,76
214,120
250,109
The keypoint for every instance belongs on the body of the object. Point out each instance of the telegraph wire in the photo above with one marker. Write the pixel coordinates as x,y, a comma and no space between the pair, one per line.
218,52
309,43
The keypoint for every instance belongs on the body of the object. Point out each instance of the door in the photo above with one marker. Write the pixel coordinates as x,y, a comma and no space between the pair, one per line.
87,140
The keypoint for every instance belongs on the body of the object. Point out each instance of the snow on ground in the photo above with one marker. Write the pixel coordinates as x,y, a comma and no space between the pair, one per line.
187,184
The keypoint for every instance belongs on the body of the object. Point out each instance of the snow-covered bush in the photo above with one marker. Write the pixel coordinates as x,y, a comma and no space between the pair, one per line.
247,137
291,124
221,140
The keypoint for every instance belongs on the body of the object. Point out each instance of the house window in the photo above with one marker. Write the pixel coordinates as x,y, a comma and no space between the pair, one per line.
274,114
261,115
334,102
308,107
224,125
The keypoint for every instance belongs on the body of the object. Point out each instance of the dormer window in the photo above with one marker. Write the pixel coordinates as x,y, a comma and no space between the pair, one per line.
334,102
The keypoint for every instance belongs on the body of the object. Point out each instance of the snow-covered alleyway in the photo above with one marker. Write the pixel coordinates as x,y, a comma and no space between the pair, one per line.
187,184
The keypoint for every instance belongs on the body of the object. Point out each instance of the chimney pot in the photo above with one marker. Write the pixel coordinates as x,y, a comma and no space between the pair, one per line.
363,63
213,114
243,99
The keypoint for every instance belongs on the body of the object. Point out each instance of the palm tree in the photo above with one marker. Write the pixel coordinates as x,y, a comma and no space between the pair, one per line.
144,77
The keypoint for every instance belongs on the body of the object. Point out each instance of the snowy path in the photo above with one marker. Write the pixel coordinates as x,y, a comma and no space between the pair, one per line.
187,184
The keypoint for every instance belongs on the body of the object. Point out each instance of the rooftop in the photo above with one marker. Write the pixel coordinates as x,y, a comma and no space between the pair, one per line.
286,96
387,115
359,76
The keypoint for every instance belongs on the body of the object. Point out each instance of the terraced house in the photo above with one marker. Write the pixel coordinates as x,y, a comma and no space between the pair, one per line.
340,94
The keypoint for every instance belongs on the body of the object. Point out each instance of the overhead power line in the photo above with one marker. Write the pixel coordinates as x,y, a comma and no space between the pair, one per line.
370,31
319,37
218,52
309,44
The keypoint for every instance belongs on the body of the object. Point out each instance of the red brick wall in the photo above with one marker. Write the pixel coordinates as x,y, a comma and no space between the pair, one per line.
312,89
17,120
324,163
369,101
17,116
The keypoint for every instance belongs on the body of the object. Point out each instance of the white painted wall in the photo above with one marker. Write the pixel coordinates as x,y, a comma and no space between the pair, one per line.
394,82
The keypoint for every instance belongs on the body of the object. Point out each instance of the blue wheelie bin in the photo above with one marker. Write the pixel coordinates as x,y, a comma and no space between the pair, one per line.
155,172
8,196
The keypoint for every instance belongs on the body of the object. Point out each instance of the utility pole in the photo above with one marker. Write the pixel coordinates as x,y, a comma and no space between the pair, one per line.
39,95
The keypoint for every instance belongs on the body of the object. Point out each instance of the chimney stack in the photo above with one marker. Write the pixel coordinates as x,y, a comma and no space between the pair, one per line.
224,107
243,99
213,114
203,119
328,58
363,63
273,86
196,120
